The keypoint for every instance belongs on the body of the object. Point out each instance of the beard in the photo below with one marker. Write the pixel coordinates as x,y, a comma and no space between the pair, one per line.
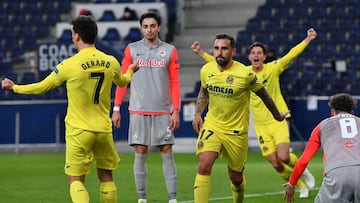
222,61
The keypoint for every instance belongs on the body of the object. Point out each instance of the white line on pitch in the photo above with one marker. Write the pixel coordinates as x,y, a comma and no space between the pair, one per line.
246,196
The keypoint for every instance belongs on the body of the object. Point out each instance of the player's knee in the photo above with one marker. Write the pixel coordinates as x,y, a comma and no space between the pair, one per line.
204,169
284,156
236,179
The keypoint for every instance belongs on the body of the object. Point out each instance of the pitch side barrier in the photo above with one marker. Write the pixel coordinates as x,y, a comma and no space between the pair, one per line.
38,125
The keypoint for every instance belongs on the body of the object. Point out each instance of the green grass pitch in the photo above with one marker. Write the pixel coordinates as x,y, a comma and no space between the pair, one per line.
39,178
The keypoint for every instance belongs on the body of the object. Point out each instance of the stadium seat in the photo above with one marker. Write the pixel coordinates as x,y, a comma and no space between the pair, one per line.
125,1
112,34
64,6
17,52
107,16
133,35
12,75
29,7
11,6
6,68
102,1
28,77
66,37
53,18
41,31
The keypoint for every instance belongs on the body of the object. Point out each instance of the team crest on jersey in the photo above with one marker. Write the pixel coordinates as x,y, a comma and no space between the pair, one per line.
229,80
349,144
162,53
200,145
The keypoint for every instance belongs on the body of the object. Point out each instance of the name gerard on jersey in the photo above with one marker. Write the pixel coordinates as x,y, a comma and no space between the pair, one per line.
95,63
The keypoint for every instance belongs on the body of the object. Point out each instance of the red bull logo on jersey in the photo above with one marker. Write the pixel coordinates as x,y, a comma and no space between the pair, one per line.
152,63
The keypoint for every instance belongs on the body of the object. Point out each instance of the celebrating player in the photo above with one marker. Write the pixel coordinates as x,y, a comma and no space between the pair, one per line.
273,136
89,76
225,87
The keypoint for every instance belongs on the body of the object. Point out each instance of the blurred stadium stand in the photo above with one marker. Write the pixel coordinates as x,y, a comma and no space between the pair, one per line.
282,24
278,23
46,22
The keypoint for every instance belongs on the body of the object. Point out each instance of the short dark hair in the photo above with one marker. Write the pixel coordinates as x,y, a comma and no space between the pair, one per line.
342,102
258,44
150,14
86,27
226,36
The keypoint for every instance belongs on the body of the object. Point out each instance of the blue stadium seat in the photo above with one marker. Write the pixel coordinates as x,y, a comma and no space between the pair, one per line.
125,1
28,77
29,7
133,35
17,52
108,15
53,18
36,19
64,6
11,6
5,68
41,31
112,34
102,1
66,37
29,42
12,75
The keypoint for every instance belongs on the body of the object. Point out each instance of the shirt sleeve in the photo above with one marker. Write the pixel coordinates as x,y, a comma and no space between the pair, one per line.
310,150
208,58
120,92
49,83
284,61
174,67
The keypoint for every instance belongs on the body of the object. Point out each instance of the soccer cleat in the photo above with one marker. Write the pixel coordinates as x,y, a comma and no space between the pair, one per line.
173,201
142,201
308,178
304,192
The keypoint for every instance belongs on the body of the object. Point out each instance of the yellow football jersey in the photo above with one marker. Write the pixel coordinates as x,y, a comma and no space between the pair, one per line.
229,95
89,75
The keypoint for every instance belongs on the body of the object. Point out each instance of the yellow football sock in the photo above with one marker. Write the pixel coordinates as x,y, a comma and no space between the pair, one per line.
79,193
285,174
301,184
293,160
202,188
108,192
238,191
